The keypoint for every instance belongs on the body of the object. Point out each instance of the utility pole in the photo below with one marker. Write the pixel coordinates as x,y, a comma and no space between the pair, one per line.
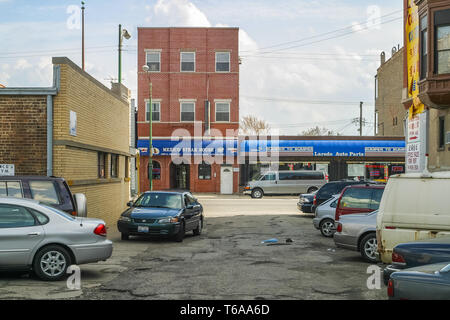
120,54
360,118
82,35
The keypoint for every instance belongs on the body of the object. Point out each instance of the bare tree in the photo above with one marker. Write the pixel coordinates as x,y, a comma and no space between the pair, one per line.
317,131
251,125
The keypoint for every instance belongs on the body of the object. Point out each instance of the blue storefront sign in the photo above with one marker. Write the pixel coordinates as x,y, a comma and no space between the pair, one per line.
309,148
325,148
189,147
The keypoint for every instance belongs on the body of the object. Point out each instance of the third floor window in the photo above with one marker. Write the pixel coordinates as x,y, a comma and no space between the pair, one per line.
187,61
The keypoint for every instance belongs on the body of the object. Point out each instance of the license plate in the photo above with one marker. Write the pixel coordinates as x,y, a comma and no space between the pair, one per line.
142,229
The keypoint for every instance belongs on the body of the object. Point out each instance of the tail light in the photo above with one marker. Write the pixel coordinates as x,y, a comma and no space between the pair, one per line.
391,228
339,227
398,258
74,213
326,178
315,200
100,230
390,288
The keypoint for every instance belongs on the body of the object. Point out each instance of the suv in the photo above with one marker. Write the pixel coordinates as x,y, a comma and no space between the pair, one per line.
329,189
362,198
49,190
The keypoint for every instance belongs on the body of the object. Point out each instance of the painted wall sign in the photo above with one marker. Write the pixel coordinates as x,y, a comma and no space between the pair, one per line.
7,169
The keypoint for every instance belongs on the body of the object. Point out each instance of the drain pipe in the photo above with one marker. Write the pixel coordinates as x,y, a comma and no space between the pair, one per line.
56,86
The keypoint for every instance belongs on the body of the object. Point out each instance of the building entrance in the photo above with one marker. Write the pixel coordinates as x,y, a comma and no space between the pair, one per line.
179,176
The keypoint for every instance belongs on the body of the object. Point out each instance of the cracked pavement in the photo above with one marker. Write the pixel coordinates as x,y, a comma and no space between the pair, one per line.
227,261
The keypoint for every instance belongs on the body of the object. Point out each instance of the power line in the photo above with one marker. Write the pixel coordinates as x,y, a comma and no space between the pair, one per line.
320,102
322,34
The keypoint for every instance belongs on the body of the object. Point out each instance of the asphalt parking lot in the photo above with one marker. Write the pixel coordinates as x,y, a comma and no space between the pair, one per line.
227,261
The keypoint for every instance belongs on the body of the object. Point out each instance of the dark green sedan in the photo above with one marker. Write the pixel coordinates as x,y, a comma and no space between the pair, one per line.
162,213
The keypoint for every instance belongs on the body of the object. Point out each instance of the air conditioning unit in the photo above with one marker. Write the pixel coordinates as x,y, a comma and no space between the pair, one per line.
447,137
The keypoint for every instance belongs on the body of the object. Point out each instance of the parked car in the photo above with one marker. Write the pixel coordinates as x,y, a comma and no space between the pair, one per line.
418,253
47,240
358,232
305,202
324,216
329,189
50,190
427,282
414,206
362,198
162,213
286,182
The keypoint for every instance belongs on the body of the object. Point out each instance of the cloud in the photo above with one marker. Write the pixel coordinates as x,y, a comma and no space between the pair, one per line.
180,13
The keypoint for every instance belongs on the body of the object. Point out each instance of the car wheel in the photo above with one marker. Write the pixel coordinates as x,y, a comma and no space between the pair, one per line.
51,263
125,236
368,247
311,190
199,228
180,235
326,228
257,193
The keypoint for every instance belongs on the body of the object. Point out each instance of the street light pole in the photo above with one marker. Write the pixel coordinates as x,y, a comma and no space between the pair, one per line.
150,142
150,153
82,35
120,54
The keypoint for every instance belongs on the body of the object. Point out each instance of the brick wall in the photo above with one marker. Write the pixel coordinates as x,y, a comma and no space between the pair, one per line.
388,104
23,133
102,126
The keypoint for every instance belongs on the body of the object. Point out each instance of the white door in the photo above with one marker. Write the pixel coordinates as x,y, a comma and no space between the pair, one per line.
226,180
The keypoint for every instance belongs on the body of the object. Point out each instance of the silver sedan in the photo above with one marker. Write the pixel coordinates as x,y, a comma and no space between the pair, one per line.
47,240
324,216
358,232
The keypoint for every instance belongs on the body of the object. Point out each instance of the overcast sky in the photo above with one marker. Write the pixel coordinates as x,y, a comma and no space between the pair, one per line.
304,62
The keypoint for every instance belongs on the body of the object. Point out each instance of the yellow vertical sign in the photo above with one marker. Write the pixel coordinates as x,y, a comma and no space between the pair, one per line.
412,58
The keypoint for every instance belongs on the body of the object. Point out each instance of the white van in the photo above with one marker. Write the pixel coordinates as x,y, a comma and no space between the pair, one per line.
414,206
286,182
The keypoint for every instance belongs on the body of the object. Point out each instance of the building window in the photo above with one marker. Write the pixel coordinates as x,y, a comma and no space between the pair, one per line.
114,165
442,27
187,111
187,60
441,132
423,47
156,111
222,112
156,170
204,171
222,62
101,164
394,121
153,60
127,167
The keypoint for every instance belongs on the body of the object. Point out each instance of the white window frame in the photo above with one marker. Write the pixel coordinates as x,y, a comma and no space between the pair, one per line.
181,61
229,62
224,101
193,101
158,51
158,101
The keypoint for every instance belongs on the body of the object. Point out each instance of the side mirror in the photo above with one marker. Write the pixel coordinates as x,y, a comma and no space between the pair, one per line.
190,207
130,203
81,204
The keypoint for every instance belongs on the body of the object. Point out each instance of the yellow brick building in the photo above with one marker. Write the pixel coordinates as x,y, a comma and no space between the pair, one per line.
100,136
79,130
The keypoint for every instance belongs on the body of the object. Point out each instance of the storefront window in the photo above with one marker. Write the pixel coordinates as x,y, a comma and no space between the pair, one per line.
156,170
204,171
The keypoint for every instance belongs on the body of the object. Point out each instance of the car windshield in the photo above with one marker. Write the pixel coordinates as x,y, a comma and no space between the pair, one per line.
59,212
159,200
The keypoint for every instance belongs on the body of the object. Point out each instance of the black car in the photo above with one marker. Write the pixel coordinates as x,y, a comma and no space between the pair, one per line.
49,190
162,213
329,189
305,202
418,253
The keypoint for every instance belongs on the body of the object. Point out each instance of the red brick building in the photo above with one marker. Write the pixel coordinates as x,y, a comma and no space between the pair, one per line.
194,74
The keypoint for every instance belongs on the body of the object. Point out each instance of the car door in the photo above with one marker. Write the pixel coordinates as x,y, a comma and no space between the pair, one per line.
269,183
196,212
189,213
20,234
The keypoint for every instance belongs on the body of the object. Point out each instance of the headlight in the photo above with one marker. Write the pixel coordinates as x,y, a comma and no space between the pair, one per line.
125,219
168,220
